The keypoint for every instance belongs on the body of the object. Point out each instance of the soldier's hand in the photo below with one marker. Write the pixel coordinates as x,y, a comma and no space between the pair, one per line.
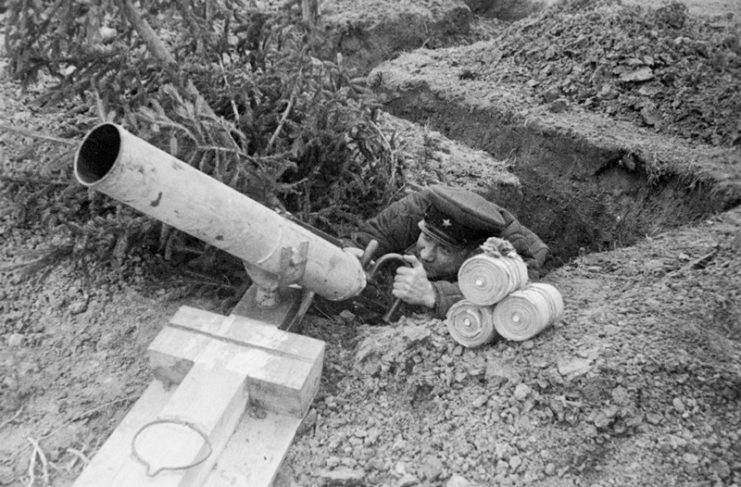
411,284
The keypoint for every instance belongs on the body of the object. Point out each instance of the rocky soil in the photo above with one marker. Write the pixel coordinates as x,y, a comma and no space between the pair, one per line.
638,384
660,68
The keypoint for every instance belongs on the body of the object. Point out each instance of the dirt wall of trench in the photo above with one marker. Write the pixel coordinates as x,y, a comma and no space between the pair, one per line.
369,34
575,194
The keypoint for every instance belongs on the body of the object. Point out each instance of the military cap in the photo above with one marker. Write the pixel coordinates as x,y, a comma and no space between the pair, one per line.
460,218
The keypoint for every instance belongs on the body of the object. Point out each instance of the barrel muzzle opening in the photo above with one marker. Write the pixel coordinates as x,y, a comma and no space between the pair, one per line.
97,154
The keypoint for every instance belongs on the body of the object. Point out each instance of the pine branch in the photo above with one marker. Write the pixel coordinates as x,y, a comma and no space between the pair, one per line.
283,118
155,45
36,135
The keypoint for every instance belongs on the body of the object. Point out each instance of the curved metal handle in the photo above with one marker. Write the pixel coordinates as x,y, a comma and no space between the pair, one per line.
372,272
388,317
382,260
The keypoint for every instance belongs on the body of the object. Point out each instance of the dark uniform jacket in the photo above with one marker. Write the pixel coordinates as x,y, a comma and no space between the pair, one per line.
396,230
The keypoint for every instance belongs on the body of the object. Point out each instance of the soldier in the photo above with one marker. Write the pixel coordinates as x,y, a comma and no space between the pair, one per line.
439,228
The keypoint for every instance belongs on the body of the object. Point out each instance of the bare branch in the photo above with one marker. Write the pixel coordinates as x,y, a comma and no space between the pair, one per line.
283,118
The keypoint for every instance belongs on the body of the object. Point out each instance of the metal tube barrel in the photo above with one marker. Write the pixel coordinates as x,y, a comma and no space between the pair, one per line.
119,164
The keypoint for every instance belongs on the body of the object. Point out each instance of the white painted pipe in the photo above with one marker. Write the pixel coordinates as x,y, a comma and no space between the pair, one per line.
128,169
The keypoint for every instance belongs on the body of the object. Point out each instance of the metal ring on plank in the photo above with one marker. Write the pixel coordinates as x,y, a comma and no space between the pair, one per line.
181,422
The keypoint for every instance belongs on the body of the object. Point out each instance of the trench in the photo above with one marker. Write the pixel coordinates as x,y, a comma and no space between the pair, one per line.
577,196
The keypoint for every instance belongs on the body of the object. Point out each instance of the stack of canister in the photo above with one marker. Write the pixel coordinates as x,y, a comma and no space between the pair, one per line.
500,301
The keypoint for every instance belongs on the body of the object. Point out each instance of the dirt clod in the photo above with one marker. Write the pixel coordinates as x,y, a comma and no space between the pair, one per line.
15,340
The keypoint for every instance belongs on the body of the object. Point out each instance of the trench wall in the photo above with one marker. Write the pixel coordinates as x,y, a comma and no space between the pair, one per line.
577,195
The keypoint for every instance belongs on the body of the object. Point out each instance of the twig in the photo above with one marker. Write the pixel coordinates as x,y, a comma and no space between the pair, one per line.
37,452
382,136
60,161
203,280
49,256
231,99
88,413
309,11
214,148
35,135
29,180
32,468
701,262
100,105
166,123
698,263
17,413
76,418
154,44
283,118
156,47
78,455
74,451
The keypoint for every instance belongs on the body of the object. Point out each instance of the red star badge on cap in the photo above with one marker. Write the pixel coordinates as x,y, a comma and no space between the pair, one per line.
446,223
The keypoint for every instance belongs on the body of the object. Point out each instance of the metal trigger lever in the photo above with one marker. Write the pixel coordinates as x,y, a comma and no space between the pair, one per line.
372,272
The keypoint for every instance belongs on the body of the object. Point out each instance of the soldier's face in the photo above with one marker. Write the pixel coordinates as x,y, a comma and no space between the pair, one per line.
439,260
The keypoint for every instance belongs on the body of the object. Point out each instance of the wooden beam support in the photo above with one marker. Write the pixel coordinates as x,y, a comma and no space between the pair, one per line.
251,457
116,451
211,399
248,332
283,369
197,434
255,451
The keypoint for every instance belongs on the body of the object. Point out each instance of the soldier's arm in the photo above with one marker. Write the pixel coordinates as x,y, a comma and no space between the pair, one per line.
528,245
395,228
446,295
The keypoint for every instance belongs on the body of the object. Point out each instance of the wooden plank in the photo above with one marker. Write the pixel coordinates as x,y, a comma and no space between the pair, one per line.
255,452
116,451
278,383
173,352
221,364
212,398
252,455
247,331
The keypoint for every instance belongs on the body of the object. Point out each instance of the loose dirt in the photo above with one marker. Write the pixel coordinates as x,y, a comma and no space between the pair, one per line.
658,68
638,384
